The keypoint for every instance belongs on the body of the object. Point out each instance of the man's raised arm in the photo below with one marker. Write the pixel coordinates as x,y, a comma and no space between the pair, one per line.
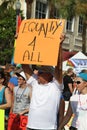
58,68
27,70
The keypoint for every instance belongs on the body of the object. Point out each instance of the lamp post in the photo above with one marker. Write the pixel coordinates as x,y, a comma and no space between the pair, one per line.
17,6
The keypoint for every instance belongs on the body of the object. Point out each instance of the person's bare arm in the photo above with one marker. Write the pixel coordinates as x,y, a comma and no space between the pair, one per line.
23,112
8,99
27,70
58,67
3,67
66,118
70,87
30,94
61,110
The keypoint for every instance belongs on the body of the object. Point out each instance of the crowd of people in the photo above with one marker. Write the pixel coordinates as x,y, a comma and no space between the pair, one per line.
39,93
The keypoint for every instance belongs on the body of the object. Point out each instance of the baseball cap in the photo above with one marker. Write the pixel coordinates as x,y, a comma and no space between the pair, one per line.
83,76
14,80
45,69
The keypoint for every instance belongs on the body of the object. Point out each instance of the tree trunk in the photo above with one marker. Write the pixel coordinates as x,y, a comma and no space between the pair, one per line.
51,9
29,7
84,38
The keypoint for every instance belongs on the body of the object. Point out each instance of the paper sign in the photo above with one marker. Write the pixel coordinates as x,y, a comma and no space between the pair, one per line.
17,122
1,119
38,41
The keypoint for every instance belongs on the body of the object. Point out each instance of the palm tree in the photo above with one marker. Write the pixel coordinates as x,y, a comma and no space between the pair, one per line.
29,6
73,8
51,5
81,10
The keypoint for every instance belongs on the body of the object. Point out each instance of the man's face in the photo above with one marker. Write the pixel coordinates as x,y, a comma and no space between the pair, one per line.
41,80
44,77
80,84
21,81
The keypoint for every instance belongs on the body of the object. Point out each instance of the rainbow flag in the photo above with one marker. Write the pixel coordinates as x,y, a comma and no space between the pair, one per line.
70,63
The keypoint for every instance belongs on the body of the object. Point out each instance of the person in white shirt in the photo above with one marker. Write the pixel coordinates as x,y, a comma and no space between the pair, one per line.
46,97
78,105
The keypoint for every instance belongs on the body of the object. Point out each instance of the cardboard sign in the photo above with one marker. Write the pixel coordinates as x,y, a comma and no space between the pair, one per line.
17,122
38,41
2,119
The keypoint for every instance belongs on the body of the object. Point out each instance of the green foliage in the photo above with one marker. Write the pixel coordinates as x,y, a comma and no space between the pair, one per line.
81,8
66,8
5,56
7,30
71,8
7,26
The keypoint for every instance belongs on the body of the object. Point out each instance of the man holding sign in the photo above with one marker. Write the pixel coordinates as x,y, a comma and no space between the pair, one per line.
46,95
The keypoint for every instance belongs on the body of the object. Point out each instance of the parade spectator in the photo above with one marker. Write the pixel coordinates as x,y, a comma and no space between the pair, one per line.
75,84
21,95
46,96
78,106
21,102
68,84
5,97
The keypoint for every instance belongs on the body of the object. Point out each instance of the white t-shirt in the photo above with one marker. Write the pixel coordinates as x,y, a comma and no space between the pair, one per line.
79,107
44,105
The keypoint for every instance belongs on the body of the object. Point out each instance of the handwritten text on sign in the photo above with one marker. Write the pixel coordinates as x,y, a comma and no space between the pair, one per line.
38,41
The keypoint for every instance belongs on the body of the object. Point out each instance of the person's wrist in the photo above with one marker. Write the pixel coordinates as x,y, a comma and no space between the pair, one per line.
62,38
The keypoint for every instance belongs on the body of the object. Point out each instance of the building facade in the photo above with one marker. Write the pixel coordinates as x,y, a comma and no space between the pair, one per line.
73,27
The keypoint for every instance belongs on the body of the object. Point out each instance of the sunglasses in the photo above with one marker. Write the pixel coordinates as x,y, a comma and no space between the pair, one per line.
77,82
20,79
